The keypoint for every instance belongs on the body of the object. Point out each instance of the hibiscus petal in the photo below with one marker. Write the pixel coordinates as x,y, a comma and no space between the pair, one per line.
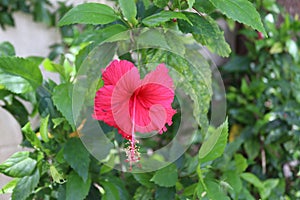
115,71
102,105
159,76
124,96
154,99
121,96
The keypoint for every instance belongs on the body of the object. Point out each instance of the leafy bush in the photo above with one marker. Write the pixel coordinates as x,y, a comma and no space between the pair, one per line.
60,167
263,98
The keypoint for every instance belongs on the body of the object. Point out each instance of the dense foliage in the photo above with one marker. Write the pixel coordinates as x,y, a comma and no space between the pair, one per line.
263,97
260,113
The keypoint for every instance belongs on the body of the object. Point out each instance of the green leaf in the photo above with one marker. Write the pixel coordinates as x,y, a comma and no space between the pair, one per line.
215,145
44,129
162,193
26,186
62,99
129,10
14,84
56,176
251,178
242,11
240,163
276,48
89,13
119,184
234,180
143,193
78,157
22,68
53,67
166,177
7,49
161,3
204,6
18,110
31,136
190,190
18,165
152,38
214,191
98,36
77,189
8,188
164,16
175,42
268,186
206,31
191,3
41,13
292,48
110,191
144,179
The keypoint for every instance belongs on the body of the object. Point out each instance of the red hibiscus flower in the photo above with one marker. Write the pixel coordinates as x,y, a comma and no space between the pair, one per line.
133,105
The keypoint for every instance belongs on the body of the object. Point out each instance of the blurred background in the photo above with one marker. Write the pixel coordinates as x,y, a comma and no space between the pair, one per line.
261,77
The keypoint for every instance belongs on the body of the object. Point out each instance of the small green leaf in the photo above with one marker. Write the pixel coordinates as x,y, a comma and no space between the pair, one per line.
119,184
7,49
110,191
268,186
191,3
53,67
129,10
204,6
15,84
251,178
23,68
164,16
144,179
190,190
44,129
162,193
143,193
78,157
152,38
26,186
234,180
77,189
31,136
214,191
206,31
251,147
9,187
242,11
166,177
62,99
161,3
240,163
89,13
292,48
215,145
18,165
98,36
276,48
56,176
18,110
